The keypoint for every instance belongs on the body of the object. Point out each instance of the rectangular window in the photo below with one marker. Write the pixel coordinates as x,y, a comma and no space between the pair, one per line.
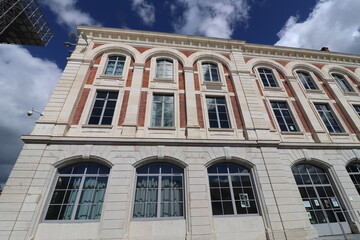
267,77
343,84
163,111
307,81
283,117
357,109
115,65
217,112
328,118
103,109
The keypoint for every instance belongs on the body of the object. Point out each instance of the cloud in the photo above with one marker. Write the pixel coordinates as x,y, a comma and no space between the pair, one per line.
332,23
68,14
212,18
20,90
145,10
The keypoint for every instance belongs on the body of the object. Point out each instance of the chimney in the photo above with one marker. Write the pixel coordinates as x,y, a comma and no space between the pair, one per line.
325,49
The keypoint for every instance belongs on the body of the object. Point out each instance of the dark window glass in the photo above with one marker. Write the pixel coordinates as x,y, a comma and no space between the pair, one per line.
307,80
343,83
217,112
328,118
103,109
115,65
283,117
267,77
211,72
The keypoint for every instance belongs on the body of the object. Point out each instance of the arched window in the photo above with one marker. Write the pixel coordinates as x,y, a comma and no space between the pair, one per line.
267,77
115,65
343,83
211,72
79,192
159,191
306,80
231,190
354,172
320,201
164,69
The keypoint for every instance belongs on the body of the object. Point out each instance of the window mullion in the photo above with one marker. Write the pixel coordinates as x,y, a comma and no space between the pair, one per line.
159,196
282,115
232,194
217,115
76,204
162,111
103,109
327,113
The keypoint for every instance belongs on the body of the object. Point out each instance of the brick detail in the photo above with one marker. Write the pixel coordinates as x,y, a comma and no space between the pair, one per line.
288,89
319,66
142,109
345,119
226,71
181,67
268,112
281,75
129,78
327,91
247,59
80,106
182,107
96,45
351,69
141,49
196,82
199,111
283,62
124,107
227,56
98,59
318,77
147,63
132,62
236,109
187,53
91,75
146,76
229,84
301,116
259,88
181,81
195,67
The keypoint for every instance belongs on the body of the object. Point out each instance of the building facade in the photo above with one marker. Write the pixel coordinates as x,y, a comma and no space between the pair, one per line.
164,136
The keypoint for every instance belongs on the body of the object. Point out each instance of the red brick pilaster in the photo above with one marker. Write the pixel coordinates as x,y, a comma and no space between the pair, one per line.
301,116
199,111
142,109
345,119
236,109
91,75
123,107
182,107
80,106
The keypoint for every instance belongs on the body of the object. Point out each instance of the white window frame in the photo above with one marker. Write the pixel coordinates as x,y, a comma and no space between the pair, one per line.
103,109
274,74
160,81
163,74
162,112
227,106
312,79
334,115
220,69
357,108
100,75
343,82
291,112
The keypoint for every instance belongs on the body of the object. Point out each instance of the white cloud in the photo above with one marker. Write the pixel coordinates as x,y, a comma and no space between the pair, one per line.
68,14
332,23
25,82
145,10
212,18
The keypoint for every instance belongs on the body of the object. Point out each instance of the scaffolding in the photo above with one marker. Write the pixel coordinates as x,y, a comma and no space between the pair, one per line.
22,22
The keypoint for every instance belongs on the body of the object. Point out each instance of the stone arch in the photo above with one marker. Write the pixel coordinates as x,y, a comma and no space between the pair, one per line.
293,66
352,160
231,159
268,63
113,47
312,161
154,159
331,68
211,56
166,52
82,158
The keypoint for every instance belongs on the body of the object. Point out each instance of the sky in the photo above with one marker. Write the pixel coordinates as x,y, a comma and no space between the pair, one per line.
28,74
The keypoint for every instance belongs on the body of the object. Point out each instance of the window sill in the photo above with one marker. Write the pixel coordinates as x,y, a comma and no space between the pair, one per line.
166,80
158,219
71,221
113,77
213,83
291,133
162,128
221,129
338,134
237,215
351,93
278,89
96,126
313,91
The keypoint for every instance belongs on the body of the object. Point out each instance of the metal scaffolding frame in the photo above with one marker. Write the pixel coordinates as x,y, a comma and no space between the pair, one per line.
22,22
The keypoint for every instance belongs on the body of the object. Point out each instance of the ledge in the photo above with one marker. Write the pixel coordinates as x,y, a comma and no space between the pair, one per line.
162,128
113,77
96,126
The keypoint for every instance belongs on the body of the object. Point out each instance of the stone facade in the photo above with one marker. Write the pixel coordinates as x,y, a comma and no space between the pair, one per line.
254,139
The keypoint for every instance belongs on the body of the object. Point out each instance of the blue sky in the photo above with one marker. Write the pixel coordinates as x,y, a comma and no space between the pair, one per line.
29,74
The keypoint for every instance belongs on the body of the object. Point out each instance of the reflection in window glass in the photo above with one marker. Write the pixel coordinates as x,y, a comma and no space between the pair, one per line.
163,111
164,69
103,108
328,118
217,112
354,172
115,66
283,117
211,72
343,84
307,80
267,77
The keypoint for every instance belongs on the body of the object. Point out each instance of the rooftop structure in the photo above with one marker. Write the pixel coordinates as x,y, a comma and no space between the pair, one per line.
22,22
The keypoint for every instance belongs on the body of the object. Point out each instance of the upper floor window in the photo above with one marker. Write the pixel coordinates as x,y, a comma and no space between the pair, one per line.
115,66
217,112
211,72
164,69
328,118
283,116
307,80
343,83
79,192
163,111
354,172
231,190
159,191
103,109
357,109
267,77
